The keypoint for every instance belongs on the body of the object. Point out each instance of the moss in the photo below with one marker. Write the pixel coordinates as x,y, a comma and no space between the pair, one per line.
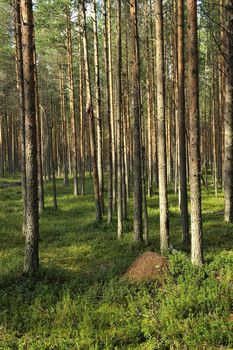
79,301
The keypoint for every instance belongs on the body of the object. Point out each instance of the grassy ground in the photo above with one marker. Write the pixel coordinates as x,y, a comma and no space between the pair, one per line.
79,301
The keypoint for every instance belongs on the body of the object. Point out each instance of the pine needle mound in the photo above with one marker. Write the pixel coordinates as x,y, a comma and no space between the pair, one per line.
148,266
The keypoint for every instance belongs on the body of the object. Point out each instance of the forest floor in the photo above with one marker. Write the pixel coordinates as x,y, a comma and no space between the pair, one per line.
79,299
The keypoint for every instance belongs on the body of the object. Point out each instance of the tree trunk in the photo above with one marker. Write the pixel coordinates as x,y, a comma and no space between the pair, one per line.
72,105
98,107
137,124
194,133
228,115
182,123
31,262
20,84
109,125
161,137
89,108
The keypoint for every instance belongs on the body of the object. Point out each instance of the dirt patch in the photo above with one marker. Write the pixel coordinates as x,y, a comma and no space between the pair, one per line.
230,318
148,266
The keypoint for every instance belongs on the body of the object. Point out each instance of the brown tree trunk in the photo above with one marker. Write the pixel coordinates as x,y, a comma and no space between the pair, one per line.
182,122
109,125
20,84
89,108
98,111
161,137
194,133
119,126
137,124
31,262
72,105
228,115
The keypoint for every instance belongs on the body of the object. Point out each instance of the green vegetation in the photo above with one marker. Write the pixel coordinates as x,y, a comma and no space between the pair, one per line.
79,301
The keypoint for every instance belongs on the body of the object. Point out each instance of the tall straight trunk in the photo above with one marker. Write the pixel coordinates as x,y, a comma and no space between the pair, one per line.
161,137
110,79
119,126
98,106
39,149
182,122
64,131
215,139
228,115
149,102
90,111
31,261
194,134
137,124
51,128
109,125
19,57
82,124
72,105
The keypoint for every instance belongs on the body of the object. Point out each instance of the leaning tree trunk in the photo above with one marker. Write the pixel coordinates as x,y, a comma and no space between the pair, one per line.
31,262
194,133
228,115
162,163
182,123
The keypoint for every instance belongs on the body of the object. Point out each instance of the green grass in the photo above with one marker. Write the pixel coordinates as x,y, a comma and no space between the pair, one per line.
78,299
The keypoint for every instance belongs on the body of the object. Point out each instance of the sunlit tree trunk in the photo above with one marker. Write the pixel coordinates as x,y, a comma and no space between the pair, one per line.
109,125
228,115
31,262
72,105
182,122
137,123
98,111
162,163
89,108
194,133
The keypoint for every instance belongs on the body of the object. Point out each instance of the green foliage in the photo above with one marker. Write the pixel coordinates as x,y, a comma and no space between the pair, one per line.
78,300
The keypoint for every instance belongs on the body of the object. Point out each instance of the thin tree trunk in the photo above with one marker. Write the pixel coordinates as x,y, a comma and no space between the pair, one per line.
31,262
98,111
228,115
137,124
89,108
19,57
182,123
194,133
72,105
161,137
109,125
119,126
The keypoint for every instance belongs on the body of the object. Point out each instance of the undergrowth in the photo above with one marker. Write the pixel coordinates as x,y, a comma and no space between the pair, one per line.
78,300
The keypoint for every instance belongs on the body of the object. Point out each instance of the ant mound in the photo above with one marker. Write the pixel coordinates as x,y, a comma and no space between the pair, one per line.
148,266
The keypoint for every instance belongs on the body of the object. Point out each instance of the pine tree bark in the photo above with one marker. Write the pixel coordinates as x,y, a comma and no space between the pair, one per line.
108,94
194,133
182,123
31,261
228,115
90,111
161,137
20,84
98,111
137,124
72,105
119,126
